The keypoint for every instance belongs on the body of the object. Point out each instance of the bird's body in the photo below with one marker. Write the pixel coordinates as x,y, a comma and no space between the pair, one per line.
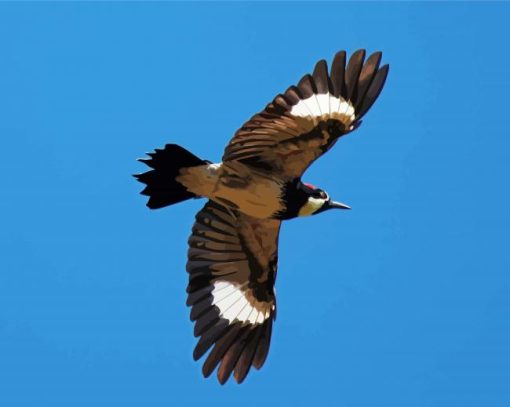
235,185
233,248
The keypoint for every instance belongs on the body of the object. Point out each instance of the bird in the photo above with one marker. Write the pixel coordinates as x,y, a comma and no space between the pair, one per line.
233,247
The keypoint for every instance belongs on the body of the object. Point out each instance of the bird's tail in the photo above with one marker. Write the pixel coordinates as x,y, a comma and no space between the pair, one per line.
162,187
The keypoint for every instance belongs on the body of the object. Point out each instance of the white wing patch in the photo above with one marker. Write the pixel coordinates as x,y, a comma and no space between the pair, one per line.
325,104
234,305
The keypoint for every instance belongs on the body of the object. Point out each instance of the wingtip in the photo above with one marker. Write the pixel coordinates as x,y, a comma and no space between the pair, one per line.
196,354
238,379
222,378
359,53
207,370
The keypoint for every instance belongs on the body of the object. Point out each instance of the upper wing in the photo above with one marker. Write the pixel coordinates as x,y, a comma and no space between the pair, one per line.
303,123
232,262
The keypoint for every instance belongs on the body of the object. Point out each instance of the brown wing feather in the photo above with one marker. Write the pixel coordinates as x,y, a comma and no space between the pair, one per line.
300,125
320,77
352,73
232,262
338,73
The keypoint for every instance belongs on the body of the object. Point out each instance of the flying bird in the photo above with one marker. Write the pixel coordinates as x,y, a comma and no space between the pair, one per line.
233,247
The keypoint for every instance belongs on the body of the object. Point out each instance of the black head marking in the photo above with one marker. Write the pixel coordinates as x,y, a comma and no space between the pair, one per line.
296,195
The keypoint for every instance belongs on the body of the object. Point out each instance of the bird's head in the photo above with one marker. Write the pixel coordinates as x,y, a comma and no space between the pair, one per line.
317,201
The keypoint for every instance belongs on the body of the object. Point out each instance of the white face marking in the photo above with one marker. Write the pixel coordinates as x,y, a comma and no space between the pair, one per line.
324,104
233,305
311,206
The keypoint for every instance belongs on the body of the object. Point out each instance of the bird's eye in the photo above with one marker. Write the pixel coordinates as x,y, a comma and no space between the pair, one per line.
319,194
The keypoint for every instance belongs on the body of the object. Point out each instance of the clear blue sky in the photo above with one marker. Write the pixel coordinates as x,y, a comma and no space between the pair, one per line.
403,301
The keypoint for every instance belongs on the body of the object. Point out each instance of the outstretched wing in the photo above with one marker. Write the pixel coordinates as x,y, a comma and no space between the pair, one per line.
303,123
232,262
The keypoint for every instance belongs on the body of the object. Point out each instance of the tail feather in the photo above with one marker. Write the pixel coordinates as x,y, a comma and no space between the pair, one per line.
161,185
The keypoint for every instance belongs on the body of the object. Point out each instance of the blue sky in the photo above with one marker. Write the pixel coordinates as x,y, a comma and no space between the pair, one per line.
403,301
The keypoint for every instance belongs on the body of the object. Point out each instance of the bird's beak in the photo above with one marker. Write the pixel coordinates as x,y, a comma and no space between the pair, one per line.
338,205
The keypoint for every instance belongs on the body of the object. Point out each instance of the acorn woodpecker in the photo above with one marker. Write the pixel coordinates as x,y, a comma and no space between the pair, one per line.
233,247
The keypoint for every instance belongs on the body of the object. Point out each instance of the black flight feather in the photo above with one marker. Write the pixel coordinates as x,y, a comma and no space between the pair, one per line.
352,73
320,77
231,356
263,345
206,321
210,337
366,76
373,91
337,73
292,95
219,349
306,86
245,360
